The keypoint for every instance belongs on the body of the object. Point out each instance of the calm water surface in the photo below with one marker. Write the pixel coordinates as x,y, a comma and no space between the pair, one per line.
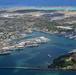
38,56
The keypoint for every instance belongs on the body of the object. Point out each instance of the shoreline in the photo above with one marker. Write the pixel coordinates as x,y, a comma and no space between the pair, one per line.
50,8
56,34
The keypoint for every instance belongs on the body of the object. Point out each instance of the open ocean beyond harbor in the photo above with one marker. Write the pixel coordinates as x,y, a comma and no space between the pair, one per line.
38,56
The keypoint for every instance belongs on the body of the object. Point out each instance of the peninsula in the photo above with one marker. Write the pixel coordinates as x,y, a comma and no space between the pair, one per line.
64,62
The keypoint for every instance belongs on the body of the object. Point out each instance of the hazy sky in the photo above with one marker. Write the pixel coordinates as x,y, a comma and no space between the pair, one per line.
39,2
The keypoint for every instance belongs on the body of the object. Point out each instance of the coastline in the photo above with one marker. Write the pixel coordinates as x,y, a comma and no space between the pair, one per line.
39,7
64,62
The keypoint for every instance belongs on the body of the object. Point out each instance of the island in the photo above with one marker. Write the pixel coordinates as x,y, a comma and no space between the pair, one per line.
64,62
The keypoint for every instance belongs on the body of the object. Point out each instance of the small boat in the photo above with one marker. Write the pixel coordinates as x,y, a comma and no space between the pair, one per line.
4,52
20,48
49,55
32,45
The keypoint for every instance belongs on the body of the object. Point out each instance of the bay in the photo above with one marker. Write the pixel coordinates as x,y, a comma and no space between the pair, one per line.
38,56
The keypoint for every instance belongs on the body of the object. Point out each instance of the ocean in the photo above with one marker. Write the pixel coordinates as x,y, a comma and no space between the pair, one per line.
37,3
48,3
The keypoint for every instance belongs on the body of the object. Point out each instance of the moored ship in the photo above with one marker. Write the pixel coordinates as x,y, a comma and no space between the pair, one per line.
5,52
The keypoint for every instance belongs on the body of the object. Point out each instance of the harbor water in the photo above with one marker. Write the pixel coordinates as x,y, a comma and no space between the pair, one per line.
38,56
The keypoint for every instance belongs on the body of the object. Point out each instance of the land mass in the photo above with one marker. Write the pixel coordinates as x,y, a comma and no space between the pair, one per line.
61,21
64,62
53,20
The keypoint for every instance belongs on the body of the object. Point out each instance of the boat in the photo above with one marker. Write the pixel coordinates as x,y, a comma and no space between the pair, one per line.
32,45
4,52
19,47
49,55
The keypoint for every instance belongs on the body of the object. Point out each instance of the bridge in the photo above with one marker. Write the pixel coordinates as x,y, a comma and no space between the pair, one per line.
26,68
34,68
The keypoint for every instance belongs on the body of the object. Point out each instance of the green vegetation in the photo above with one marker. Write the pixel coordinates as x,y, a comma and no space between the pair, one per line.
46,24
64,61
23,23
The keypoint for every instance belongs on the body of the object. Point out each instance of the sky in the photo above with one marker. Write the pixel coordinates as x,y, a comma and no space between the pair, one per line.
38,2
